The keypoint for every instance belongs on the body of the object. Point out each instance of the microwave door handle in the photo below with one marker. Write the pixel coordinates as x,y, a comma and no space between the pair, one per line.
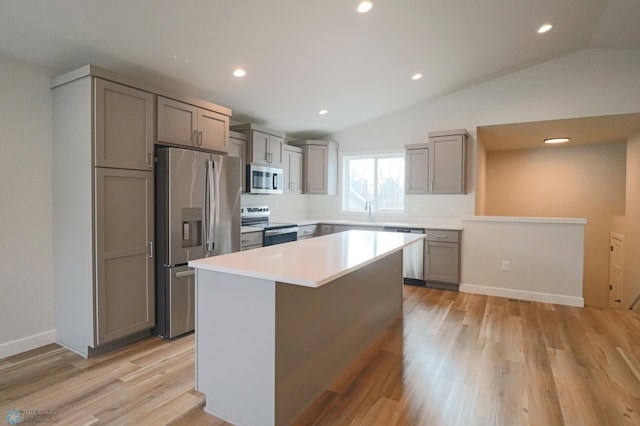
275,181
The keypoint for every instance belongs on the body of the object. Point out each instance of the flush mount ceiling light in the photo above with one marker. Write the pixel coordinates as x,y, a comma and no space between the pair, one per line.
557,140
416,76
323,112
364,6
239,72
544,28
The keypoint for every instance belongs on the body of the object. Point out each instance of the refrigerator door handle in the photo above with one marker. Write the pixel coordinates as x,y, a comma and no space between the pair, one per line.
210,199
216,203
188,273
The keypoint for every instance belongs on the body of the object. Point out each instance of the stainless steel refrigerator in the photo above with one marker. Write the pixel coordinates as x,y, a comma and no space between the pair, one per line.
197,215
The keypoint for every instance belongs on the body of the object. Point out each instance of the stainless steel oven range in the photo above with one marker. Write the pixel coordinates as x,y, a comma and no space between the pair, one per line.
273,232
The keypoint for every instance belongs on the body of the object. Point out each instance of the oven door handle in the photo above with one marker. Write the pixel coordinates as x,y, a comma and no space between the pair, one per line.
272,232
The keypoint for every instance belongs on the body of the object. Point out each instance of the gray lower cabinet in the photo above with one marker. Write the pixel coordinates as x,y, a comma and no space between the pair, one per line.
442,256
325,229
103,231
124,264
251,240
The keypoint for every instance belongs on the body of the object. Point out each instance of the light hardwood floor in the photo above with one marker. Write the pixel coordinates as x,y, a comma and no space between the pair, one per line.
453,359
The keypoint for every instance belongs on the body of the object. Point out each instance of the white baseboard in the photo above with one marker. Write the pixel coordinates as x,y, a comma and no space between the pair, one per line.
532,296
27,343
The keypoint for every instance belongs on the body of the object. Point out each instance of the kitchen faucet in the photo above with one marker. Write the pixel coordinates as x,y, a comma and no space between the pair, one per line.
367,207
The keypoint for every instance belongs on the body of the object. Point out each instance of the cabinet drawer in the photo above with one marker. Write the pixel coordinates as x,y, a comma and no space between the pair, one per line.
443,235
307,231
251,239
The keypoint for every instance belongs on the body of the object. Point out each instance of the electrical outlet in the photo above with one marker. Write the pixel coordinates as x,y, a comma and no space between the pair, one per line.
505,266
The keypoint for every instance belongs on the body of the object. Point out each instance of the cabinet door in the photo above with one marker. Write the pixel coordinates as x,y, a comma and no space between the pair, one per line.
316,169
417,171
125,286
447,165
123,126
259,147
177,122
442,262
276,150
213,130
295,172
238,148
292,172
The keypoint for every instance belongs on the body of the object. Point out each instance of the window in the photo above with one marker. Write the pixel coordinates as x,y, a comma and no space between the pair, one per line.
378,178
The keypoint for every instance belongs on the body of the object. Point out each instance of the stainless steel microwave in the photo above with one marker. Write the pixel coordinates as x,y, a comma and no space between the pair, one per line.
264,179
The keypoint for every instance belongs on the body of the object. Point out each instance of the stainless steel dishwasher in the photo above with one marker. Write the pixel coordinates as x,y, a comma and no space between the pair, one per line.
412,256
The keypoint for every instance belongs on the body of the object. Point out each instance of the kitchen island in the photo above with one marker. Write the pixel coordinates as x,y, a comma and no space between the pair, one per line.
276,325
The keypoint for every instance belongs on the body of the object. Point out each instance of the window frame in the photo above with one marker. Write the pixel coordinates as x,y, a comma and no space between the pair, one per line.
375,155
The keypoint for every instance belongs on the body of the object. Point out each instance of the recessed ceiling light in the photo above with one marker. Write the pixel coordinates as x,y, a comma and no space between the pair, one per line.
557,140
543,29
365,6
416,76
323,112
239,72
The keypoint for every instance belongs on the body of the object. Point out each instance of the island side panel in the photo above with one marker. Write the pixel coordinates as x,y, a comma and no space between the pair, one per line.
235,346
321,331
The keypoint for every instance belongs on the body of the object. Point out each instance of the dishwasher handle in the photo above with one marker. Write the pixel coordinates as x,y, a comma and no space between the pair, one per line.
405,230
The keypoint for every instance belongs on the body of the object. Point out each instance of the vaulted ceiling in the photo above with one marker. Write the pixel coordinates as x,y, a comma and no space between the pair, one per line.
303,56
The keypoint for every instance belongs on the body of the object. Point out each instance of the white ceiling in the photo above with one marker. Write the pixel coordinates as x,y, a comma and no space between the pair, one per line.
303,56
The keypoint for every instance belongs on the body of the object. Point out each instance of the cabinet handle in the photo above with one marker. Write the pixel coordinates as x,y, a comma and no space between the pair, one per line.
151,249
440,236
194,138
200,143
266,156
150,159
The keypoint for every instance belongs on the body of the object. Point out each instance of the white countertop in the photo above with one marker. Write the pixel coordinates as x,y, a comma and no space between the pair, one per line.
312,262
443,224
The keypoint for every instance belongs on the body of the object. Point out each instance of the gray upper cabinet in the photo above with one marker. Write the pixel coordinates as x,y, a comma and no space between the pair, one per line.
438,167
123,126
124,254
319,166
238,148
180,123
417,170
292,169
264,146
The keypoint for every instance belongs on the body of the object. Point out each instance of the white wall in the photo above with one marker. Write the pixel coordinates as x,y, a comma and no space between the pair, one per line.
26,259
590,82
545,259
586,83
